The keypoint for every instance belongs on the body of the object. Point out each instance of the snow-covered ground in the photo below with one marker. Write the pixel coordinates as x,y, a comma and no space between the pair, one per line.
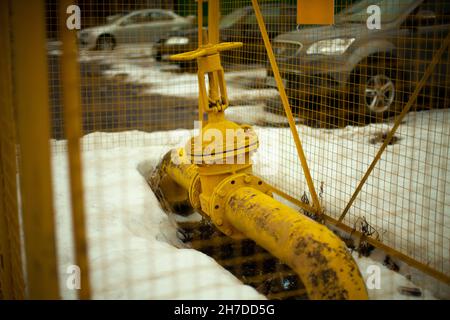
133,248
131,240
132,243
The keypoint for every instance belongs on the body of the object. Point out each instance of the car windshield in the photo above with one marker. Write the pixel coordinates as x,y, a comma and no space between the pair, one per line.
232,18
389,9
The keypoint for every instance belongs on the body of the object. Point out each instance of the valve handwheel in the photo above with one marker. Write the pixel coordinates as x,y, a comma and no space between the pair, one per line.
208,61
206,50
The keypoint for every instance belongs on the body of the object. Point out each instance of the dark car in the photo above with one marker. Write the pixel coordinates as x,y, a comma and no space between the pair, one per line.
241,26
369,71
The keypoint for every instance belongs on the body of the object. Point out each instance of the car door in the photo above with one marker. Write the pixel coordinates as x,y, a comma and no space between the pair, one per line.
432,25
132,28
160,24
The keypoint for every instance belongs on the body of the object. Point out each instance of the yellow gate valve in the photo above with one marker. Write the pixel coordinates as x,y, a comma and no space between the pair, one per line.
208,61
214,174
223,148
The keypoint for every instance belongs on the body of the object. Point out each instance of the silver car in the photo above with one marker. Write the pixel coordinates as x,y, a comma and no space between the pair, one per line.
136,26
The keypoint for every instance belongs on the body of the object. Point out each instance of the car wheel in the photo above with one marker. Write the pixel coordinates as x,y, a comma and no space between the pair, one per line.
376,92
106,42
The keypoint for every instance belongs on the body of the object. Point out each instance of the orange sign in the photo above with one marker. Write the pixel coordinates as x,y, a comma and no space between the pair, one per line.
315,12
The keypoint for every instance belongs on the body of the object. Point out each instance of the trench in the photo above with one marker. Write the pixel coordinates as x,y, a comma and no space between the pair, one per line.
246,260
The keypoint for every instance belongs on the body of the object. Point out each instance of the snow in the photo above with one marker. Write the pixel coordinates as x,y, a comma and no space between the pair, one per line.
132,243
132,250
390,281
256,115
405,199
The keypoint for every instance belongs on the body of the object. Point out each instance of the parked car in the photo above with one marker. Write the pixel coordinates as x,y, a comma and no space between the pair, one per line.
371,71
132,27
240,25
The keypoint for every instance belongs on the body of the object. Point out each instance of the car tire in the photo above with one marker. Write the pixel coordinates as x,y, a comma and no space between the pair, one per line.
375,91
106,43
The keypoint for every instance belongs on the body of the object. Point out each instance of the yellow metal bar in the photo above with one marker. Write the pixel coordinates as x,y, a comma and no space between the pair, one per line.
300,204
12,284
200,22
213,21
287,109
200,43
31,102
5,249
70,80
394,253
314,252
213,38
429,70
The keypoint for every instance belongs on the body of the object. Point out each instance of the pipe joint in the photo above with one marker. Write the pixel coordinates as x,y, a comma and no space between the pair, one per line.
220,195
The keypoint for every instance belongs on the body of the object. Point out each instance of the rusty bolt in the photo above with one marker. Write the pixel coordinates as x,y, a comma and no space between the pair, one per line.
247,179
219,221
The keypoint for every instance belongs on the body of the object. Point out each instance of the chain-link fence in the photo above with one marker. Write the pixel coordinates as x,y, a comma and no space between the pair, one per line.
369,97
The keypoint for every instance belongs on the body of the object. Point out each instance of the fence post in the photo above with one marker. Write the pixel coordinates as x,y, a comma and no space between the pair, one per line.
11,270
31,102
70,81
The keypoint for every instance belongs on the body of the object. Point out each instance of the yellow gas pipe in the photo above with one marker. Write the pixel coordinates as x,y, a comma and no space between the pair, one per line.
214,174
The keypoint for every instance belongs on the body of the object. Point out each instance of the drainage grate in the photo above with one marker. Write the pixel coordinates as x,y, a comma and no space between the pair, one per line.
247,261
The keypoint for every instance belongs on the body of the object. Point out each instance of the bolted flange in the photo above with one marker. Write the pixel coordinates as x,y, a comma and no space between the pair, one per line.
221,194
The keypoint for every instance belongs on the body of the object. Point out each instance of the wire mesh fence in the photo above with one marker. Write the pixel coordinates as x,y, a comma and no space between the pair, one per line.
347,84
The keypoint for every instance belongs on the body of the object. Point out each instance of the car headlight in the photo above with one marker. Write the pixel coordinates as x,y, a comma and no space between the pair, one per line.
330,46
177,40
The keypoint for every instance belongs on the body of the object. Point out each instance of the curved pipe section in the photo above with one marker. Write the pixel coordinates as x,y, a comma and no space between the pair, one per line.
314,252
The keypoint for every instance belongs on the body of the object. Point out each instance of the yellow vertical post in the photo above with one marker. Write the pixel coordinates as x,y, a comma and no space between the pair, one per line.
200,43
11,269
200,22
287,108
70,80
30,83
213,21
